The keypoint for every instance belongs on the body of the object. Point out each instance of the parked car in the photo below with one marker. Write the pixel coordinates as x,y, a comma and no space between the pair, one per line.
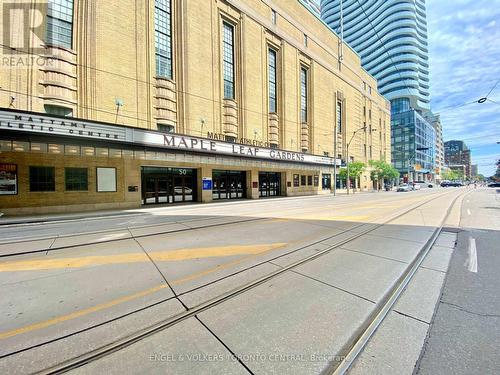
451,184
494,184
178,190
405,188
423,184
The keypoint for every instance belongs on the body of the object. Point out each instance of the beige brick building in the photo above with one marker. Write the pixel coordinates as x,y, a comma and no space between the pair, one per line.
107,104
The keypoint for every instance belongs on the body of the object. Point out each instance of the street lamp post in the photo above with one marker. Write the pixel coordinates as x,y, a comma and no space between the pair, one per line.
348,180
412,158
335,158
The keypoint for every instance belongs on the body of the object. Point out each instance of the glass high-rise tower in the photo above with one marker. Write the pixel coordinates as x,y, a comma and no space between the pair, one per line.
391,38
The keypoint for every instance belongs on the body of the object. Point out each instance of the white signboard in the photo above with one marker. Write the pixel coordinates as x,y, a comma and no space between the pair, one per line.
106,179
40,123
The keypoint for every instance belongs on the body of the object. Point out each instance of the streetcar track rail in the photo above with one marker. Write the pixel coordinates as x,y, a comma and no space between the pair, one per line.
189,290
130,235
139,335
353,349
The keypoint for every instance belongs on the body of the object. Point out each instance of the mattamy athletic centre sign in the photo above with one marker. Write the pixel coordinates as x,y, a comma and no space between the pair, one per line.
29,122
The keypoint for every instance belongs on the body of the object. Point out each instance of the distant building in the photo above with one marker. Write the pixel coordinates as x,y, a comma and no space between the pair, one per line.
314,5
391,39
412,142
399,59
474,170
456,153
439,164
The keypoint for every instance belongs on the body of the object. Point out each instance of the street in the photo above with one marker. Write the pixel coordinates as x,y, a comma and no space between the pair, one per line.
329,263
466,328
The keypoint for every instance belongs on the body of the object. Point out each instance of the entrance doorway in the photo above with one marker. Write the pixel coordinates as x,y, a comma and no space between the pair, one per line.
229,184
269,184
168,185
326,181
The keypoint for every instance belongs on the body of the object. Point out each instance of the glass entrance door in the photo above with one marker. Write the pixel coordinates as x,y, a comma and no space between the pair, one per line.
228,184
168,185
269,184
326,181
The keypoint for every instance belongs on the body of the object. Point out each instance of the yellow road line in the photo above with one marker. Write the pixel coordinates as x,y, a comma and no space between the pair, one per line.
333,218
76,314
161,256
63,318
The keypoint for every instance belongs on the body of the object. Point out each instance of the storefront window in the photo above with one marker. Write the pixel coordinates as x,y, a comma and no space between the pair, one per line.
42,179
128,154
76,179
20,146
102,152
72,150
5,145
55,149
38,147
115,153
303,180
88,151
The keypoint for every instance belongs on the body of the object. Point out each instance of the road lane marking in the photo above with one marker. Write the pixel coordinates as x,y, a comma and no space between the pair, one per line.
63,318
332,218
471,262
161,256
76,314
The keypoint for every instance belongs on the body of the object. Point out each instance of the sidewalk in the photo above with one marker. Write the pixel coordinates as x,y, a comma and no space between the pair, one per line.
42,218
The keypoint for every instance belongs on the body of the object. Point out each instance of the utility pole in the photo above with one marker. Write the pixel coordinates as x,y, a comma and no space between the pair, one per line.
341,52
347,153
335,151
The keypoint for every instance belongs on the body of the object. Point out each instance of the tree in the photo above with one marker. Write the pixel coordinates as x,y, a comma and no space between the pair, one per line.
496,176
452,175
355,170
382,172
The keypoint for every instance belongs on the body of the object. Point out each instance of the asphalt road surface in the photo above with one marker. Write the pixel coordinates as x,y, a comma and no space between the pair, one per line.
75,286
465,334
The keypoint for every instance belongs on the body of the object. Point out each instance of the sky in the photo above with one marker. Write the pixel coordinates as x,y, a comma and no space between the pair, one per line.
464,59
464,64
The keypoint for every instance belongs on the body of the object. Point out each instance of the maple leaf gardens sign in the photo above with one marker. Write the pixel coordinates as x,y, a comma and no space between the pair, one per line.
72,127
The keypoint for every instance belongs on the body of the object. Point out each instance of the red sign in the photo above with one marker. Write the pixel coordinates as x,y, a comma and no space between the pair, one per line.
8,179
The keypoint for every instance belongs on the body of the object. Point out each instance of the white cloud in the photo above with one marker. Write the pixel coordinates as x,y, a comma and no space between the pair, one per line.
464,54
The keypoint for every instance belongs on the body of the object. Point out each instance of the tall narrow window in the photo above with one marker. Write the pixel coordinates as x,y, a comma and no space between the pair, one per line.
272,81
60,23
303,94
163,38
228,60
339,116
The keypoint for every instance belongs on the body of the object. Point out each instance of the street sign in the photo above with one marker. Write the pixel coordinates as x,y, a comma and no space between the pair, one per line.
206,183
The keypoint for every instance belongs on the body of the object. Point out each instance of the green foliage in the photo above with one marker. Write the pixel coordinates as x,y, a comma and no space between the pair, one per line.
452,175
355,170
496,176
382,171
